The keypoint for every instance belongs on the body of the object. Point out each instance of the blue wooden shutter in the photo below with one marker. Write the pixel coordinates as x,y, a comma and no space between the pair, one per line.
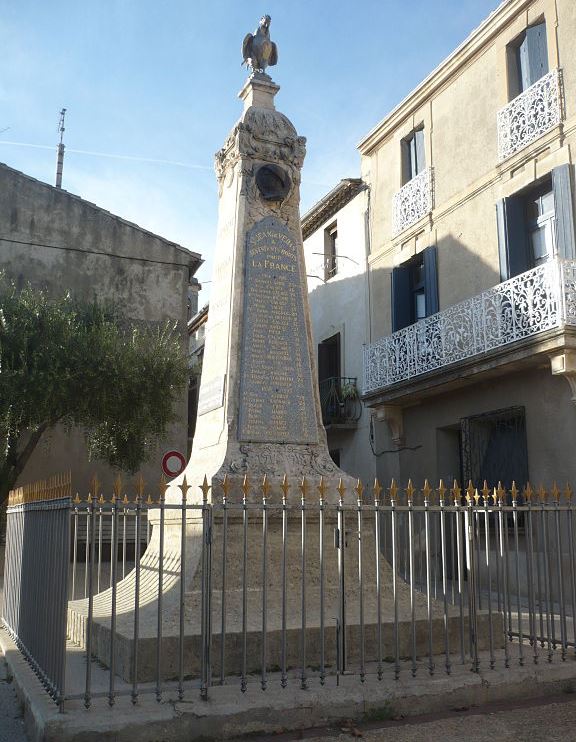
512,238
564,208
431,280
537,51
401,298
412,156
420,152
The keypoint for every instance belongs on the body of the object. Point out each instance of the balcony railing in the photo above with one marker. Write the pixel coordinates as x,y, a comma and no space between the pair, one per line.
413,201
530,115
340,401
540,299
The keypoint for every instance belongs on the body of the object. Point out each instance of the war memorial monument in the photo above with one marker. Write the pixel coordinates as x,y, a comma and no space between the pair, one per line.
275,578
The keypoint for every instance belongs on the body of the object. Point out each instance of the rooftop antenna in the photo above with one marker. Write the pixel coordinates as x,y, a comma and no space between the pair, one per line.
60,161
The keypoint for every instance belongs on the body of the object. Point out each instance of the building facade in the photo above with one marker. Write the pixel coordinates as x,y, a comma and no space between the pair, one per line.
470,367
60,242
336,249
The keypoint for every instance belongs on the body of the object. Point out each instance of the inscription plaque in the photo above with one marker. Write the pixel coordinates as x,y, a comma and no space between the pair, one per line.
276,393
211,395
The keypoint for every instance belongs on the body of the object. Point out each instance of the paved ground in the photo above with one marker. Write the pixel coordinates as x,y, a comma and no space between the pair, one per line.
547,720
11,720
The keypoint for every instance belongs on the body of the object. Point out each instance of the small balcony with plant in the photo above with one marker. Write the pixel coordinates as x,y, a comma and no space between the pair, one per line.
340,402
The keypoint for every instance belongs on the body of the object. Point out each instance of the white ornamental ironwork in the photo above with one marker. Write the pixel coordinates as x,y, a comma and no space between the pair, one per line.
413,201
535,301
530,115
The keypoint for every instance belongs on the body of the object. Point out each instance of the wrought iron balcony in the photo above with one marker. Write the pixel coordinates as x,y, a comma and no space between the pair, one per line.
530,115
540,299
413,201
340,402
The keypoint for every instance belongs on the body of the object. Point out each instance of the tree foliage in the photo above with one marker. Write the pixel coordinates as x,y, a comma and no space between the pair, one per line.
63,361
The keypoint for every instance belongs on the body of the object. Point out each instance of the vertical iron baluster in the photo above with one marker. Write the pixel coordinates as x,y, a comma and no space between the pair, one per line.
530,574
478,558
568,495
101,502
393,494
341,579
560,570
113,566
303,491
470,527
87,547
485,498
456,493
91,521
136,631
184,487
377,489
410,504
322,491
75,547
124,503
284,487
245,491
500,494
547,574
514,493
160,588
205,603
539,570
441,493
359,490
265,491
225,489
506,566
428,585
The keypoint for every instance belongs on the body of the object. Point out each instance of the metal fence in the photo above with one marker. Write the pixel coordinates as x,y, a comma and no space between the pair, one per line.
298,582
34,609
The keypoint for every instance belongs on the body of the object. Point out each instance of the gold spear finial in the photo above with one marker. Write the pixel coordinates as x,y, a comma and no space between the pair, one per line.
456,492
341,489
162,487
500,493
303,486
377,489
410,490
514,492
528,492
469,492
555,492
184,487
441,491
542,494
568,492
140,485
485,492
393,490
225,488
117,488
284,487
245,488
94,486
205,487
427,491
265,487
322,489
359,489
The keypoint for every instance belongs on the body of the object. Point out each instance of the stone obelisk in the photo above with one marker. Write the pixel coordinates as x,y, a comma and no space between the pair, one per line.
259,409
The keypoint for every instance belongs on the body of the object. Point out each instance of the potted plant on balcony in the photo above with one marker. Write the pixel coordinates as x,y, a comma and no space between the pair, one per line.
348,391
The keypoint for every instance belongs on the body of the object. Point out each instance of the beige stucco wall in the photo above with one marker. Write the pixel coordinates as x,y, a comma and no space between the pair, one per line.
458,106
341,305
62,243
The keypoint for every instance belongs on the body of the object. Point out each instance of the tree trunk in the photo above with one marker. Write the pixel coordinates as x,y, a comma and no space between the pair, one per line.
16,460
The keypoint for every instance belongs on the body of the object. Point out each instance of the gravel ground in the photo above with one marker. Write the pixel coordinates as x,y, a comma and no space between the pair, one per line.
546,720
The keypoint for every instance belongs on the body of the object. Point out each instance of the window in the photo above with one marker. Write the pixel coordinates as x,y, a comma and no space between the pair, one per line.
536,224
330,251
415,289
528,58
329,358
413,156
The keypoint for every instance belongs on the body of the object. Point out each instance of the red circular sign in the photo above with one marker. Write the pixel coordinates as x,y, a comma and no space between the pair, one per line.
173,463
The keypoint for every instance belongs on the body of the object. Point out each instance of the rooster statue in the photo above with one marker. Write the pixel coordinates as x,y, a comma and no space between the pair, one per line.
258,51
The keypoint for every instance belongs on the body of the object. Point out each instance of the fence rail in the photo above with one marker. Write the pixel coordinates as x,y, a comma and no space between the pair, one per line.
285,582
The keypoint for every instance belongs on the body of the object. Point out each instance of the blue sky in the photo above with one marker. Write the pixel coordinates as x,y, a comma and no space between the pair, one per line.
158,79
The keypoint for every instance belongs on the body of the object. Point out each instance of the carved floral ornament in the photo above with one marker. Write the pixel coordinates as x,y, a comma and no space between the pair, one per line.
268,136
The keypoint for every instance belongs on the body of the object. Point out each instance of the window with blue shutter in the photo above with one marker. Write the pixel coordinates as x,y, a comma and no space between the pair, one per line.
413,155
531,56
415,289
564,211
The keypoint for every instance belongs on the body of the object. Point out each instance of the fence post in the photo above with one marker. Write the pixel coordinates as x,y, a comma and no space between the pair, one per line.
471,567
